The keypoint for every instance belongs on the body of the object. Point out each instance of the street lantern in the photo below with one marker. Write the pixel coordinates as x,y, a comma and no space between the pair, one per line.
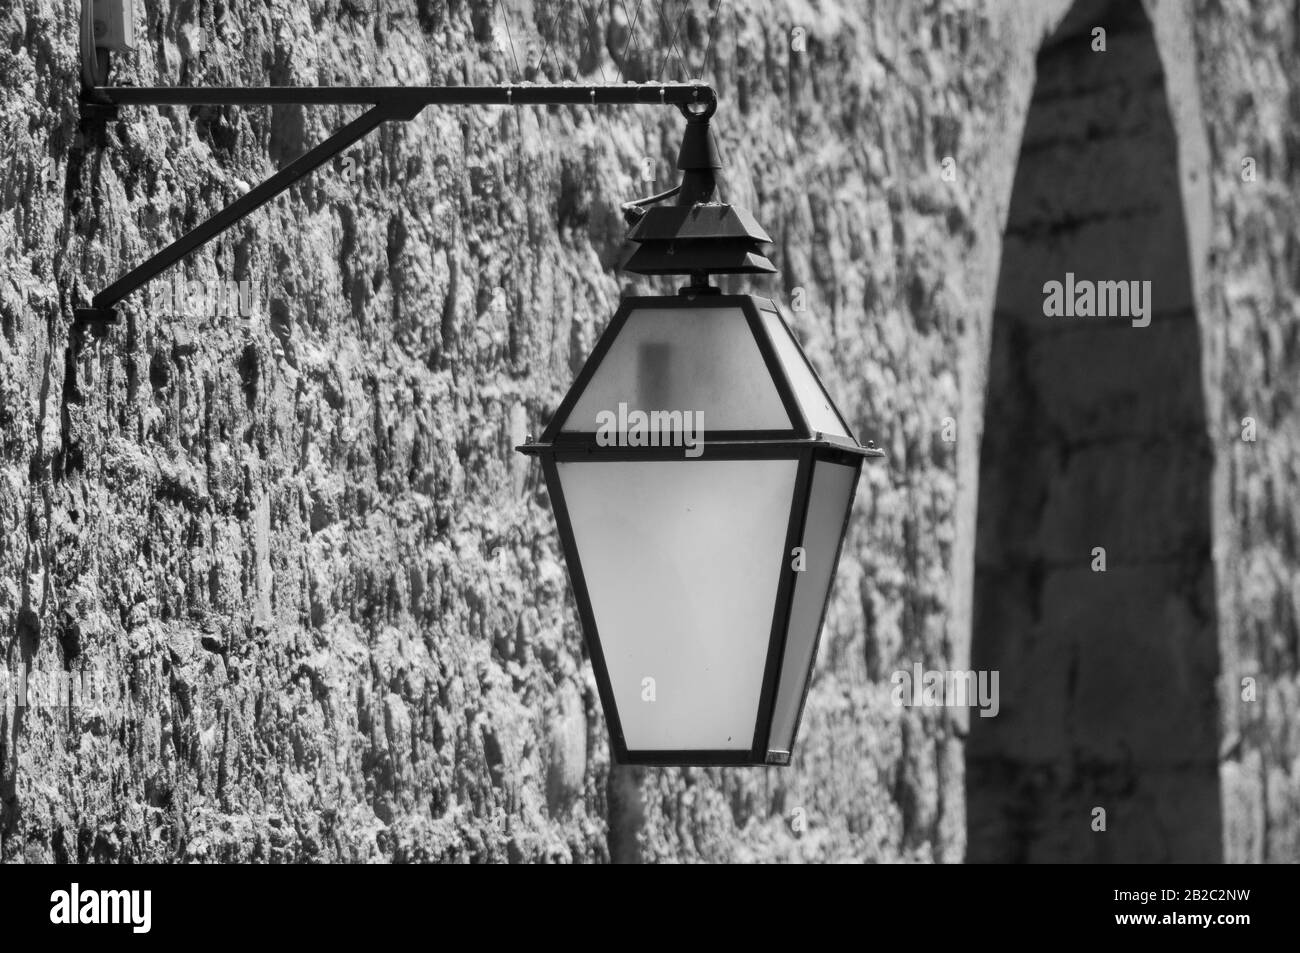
702,480
701,476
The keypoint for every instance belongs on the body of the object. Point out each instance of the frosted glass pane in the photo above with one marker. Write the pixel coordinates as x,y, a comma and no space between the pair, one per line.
832,490
812,397
682,561
684,359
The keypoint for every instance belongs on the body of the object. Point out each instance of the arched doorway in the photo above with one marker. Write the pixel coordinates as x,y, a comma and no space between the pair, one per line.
1095,449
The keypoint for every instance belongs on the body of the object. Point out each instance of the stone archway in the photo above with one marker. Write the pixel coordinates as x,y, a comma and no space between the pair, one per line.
1095,447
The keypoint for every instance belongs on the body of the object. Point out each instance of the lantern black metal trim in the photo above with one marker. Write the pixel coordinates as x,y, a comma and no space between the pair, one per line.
801,444
760,752
780,630
779,756
750,306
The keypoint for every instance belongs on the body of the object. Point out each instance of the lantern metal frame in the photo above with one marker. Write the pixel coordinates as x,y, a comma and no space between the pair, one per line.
800,443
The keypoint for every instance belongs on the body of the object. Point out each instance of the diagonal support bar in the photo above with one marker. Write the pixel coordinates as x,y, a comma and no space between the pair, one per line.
102,305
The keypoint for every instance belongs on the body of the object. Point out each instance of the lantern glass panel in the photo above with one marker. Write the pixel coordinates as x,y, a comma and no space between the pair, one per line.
682,561
832,494
808,390
704,360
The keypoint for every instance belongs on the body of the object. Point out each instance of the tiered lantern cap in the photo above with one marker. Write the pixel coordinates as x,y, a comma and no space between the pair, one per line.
714,238
698,235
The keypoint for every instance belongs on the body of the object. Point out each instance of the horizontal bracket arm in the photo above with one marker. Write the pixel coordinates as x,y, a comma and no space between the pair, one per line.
523,94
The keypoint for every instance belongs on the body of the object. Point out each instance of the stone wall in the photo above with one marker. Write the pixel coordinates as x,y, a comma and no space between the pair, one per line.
301,542
1250,91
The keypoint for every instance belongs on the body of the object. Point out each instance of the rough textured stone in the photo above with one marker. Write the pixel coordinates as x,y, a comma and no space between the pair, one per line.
304,544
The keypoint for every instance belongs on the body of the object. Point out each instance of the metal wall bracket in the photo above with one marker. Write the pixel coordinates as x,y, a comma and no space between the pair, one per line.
387,103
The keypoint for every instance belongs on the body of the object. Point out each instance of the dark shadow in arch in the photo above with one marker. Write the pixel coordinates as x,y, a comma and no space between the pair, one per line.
1095,436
